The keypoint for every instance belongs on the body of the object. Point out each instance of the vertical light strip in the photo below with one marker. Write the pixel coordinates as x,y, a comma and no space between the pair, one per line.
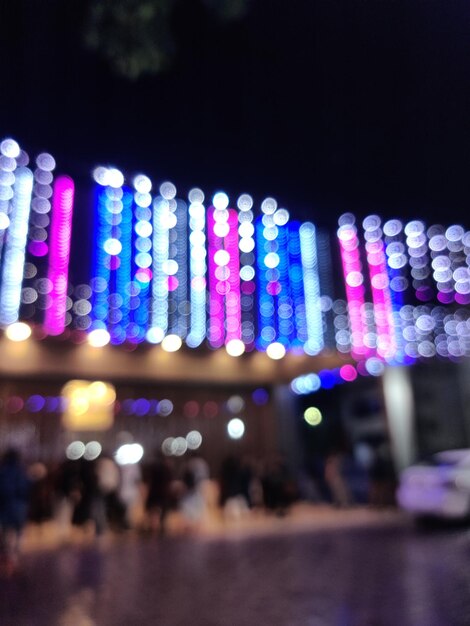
163,220
327,288
169,271
247,271
462,281
120,327
397,264
383,312
297,307
107,303
286,332
419,260
266,290
15,244
216,226
9,152
197,268
233,295
308,251
142,272
460,276
179,301
36,288
354,284
449,262
269,259
41,205
101,268
397,261
60,237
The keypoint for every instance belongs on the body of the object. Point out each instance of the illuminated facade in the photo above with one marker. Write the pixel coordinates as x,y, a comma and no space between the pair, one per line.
221,277
211,272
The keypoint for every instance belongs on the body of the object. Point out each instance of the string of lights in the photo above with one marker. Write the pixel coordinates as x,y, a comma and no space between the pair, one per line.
14,252
60,238
197,268
171,272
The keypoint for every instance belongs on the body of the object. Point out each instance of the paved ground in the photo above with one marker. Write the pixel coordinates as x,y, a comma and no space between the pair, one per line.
319,568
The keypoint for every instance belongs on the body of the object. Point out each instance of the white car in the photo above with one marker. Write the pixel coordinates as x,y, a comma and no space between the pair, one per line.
439,488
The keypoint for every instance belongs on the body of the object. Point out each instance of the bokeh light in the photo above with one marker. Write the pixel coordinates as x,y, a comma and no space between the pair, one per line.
171,343
92,451
235,347
194,440
129,454
98,338
276,351
19,331
313,416
236,428
75,450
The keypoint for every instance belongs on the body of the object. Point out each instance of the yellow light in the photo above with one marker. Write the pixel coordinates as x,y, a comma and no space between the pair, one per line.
171,343
97,389
19,331
276,351
101,392
312,416
79,403
88,406
235,347
98,338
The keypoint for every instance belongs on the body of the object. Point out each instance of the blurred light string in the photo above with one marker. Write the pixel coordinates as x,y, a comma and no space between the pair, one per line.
308,247
15,247
59,255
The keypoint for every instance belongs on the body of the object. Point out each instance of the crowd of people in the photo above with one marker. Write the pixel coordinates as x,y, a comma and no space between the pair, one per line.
98,495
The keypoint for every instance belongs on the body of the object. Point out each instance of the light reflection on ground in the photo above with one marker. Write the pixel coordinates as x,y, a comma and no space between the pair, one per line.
352,568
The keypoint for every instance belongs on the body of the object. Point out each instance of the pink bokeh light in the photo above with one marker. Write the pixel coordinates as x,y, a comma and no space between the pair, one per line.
61,231
348,373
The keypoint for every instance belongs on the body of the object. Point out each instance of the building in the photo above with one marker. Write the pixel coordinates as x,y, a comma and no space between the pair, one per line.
195,301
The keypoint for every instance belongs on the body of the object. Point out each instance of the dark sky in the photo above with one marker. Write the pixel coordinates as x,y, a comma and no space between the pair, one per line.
329,105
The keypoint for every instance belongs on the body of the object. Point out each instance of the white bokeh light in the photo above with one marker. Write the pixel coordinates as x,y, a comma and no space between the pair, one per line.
235,347
10,148
236,428
92,450
100,175
115,178
129,454
155,335
194,439
220,200
168,190
171,343
142,183
75,450
276,351
18,331
222,257
269,206
245,202
98,338
112,246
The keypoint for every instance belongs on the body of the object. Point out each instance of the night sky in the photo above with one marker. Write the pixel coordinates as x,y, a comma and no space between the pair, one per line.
329,106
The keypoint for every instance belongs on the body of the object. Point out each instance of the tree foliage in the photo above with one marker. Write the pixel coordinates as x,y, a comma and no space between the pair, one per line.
135,36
